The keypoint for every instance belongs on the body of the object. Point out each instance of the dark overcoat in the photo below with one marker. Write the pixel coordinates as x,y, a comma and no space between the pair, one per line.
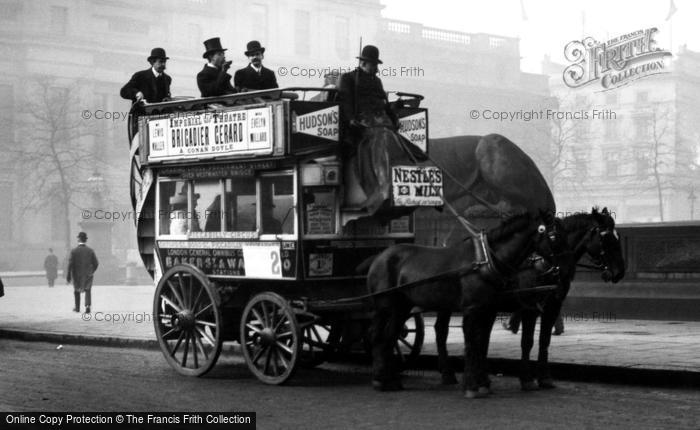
248,79
82,264
154,89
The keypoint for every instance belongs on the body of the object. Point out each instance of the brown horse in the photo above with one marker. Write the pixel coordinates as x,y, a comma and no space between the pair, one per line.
593,234
474,291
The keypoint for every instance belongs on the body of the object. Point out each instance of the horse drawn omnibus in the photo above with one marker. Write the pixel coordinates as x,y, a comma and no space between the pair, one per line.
250,225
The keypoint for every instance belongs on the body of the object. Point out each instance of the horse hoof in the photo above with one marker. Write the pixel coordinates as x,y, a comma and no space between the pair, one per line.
528,386
471,394
393,385
547,383
449,379
485,390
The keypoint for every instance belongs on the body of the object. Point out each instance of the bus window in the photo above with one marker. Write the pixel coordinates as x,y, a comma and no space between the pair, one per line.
319,210
277,204
174,214
240,204
207,203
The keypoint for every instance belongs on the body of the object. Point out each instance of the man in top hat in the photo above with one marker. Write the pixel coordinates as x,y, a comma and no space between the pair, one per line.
151,85
214,79
372,125
255,76
82,264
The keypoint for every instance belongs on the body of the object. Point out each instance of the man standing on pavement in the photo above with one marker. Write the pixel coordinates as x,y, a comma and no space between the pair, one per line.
255,76
82,264
51,267
151,85
214,80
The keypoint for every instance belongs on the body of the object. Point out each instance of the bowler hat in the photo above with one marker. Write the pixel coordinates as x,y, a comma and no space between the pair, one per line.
158,53
211,46
252,47
82,236
370,53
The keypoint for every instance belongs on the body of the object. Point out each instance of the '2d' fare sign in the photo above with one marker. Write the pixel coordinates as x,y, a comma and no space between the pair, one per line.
416,186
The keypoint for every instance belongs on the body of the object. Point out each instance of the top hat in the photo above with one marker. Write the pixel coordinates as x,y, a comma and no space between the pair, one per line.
158,53
82,236
370,53
252,47
212,45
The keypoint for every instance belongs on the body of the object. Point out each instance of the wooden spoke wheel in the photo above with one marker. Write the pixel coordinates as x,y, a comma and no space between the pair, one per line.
314,344
188,320
410,341
270,338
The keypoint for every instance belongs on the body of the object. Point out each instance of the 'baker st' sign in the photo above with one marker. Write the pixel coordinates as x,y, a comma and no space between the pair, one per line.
416,186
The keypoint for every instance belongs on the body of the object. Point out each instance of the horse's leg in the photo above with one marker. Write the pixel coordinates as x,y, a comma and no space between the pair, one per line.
397,319
442,328
473,327
378,340
484,341
529,320
549,315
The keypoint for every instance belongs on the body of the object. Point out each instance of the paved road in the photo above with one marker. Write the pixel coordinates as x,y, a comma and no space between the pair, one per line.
39,377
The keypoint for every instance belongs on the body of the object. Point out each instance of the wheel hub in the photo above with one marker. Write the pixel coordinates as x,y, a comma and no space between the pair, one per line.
184,319
267,336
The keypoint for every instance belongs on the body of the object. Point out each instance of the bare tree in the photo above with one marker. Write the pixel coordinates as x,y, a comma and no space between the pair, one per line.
53,149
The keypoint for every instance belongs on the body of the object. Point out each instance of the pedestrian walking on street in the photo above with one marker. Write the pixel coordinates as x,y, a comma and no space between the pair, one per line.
51,267
82,265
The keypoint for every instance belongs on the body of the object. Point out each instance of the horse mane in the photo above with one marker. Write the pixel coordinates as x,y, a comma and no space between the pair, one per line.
577,221
508,226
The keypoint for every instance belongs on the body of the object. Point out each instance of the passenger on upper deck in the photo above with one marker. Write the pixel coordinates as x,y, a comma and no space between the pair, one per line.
151,85
214,80
372,130
255,76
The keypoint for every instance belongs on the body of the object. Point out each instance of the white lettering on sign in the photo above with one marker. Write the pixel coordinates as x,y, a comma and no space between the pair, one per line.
324,123
211,134
262,262
415,129
416,186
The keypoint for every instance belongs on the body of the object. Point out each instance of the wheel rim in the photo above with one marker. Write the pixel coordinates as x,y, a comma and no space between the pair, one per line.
270,337
187,320
410,341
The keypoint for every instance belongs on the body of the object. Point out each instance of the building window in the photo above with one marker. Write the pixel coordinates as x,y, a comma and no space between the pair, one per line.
10,10
302,42
642,164
612,163
258,16
342,41
59,20
642,127
611,129
642,96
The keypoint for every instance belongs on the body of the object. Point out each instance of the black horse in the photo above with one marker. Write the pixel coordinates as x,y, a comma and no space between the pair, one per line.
593,234
448,279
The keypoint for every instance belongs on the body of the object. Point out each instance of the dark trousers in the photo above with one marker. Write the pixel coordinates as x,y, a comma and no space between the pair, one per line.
88,299
51,281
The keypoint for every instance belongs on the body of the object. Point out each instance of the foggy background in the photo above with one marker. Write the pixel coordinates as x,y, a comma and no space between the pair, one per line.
61,59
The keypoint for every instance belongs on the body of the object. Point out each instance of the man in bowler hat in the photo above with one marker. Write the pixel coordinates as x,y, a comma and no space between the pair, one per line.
372,125
151,85
214,80
82,264
255,76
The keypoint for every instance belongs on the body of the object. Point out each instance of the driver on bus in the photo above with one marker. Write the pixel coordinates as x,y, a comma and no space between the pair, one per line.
366,113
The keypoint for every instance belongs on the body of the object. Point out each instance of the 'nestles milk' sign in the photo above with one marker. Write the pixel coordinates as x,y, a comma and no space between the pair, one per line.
416,186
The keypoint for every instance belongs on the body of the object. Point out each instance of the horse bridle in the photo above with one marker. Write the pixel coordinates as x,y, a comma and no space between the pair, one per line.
599,260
